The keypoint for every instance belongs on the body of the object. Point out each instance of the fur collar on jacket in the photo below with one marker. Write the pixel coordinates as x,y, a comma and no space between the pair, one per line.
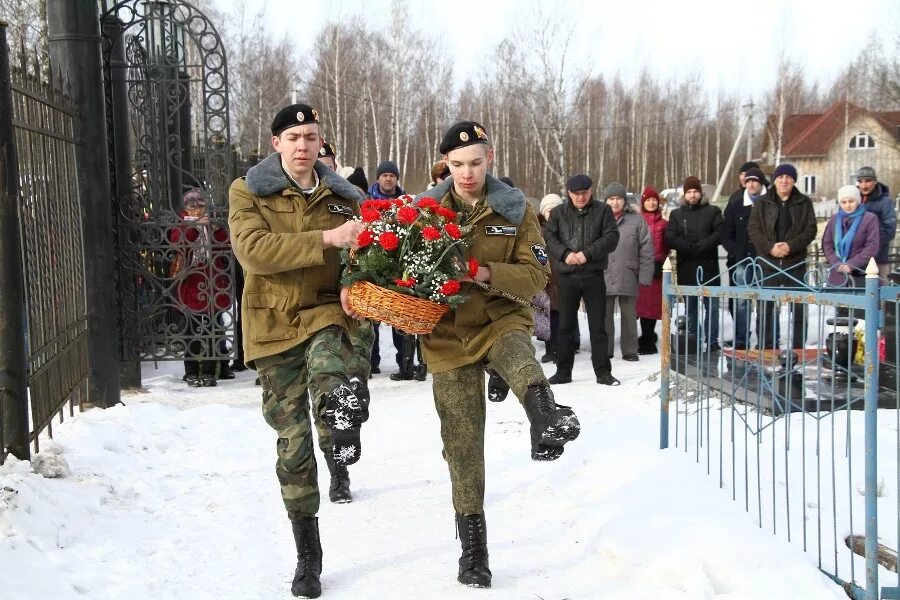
507,201
267,178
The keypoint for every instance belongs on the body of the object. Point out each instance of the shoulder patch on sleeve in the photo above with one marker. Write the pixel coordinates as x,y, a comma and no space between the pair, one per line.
540,253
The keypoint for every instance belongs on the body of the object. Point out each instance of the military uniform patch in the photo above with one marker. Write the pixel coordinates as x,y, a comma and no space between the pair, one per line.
540,253
500,229
341,209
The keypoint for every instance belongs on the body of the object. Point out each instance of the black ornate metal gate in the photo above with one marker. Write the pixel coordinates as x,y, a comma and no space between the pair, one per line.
167,115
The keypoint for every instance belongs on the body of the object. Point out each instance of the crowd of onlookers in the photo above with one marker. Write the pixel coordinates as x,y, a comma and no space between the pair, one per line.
606,258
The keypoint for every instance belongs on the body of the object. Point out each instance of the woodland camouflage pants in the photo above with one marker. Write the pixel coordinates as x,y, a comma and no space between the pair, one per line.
319,364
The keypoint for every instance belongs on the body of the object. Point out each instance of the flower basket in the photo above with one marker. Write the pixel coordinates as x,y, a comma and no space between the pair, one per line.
406,266
411,314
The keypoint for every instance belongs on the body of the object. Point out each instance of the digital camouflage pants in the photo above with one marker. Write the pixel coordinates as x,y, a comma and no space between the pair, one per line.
319,365
460,402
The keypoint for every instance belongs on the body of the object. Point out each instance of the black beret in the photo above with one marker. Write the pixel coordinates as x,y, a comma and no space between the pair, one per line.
327,150
748,165
579,183
464,133
295,114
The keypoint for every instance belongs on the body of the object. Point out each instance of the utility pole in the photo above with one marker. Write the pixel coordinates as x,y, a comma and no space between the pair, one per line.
750,131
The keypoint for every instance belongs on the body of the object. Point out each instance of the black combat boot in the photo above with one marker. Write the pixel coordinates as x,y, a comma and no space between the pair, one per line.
309,558
473,564
497,387
339,490
345,412
407,357
552,425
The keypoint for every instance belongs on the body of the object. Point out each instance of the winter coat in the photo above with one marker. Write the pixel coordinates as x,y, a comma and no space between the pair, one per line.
880,204
291,289
591,230
631,263
735,239
761,227
204,267
649,302
541,304
506,238
694,231
862,249
552,285
376,193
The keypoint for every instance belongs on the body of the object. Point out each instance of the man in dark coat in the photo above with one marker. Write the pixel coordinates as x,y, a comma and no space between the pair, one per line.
694,231
581,234
876,199
782,224
739,248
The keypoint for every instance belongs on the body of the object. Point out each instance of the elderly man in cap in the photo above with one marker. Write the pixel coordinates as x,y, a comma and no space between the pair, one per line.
581,234
876,199
782,224
490,330
737,244
289,217
695,231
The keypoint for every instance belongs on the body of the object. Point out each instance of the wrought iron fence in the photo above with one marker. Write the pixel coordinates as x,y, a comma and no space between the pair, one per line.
44,124
789,418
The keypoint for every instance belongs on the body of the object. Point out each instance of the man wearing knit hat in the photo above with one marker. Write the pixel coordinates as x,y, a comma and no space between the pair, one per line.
387,181
782,224
581,234
296,332
736,197
739,248
694,231
876,199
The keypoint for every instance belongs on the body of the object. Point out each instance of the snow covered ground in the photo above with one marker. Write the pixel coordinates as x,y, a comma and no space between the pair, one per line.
174,496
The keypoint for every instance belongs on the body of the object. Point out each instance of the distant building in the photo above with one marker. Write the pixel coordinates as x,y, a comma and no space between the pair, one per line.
829,147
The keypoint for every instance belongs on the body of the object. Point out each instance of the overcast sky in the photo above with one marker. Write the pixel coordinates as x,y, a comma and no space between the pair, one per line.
735,45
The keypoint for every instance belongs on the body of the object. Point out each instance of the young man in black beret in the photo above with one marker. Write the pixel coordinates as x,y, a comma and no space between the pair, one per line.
289,217
328,155
488,331
581,234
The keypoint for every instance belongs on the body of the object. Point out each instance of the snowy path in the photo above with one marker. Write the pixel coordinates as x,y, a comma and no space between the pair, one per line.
174,496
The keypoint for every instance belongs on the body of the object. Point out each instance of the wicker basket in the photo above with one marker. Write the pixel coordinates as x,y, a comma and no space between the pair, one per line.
411,314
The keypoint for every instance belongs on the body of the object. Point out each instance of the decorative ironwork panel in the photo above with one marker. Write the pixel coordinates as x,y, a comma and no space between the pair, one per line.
45,123
171,165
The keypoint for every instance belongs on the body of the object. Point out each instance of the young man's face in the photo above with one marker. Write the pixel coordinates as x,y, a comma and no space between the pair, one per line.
754,187
692,196
388,183
580,198
866,185
784,184
469,166
616,203
298,147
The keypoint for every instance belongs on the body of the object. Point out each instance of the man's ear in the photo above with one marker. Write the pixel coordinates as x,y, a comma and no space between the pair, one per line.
276,143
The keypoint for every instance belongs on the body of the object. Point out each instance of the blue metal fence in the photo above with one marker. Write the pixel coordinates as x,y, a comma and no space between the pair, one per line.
789,418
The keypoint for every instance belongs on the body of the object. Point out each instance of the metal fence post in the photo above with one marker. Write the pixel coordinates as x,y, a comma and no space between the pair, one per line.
74,34
13,389
871,433
665,355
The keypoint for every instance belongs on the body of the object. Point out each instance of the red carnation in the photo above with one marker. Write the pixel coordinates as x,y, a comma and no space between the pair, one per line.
407,215
397,202
431,233
384,204
389,240
473,268
367,204
452,230
369,215
450,288
407,283
364,238
429,203
445,212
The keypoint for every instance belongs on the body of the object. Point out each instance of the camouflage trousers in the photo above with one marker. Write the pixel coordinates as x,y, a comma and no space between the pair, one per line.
362,340
460,402
293,382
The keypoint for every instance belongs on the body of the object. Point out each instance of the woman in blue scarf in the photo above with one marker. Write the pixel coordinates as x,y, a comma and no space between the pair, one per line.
851,238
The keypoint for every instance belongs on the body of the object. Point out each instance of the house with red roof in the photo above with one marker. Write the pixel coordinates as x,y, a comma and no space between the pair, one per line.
827,148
